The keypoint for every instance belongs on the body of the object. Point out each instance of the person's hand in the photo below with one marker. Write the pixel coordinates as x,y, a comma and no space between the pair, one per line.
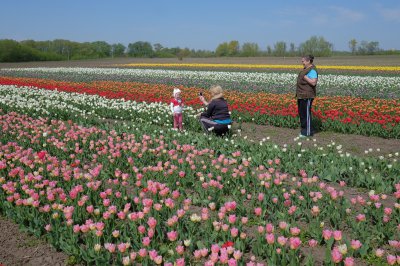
201,98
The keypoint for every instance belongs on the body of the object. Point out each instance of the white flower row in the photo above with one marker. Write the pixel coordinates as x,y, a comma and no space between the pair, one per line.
46,102
277,79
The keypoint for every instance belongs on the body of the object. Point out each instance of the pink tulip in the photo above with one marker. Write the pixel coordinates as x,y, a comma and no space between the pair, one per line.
326,234
391,259
295,242
152,254
349,261
232,262
292,210
337,235
223,258
234,232
260,229
115,233
269,228
270,238
237,254
180,262
110,247
225,227
379,252
180,249
355,244
146,241
295,231
122,247
214,257
204,252
336,255
394,243
152,222
215,248
150,232
232,218
312,243
197,254
142,252
388,211
282,240
360,217
283,225
141,229
172,235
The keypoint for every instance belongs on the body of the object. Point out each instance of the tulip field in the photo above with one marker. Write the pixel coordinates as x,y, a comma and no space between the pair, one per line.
90,162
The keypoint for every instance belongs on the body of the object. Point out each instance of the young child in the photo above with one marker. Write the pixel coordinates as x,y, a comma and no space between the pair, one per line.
177,108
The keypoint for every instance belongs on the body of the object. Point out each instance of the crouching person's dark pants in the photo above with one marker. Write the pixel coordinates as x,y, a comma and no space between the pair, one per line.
209,126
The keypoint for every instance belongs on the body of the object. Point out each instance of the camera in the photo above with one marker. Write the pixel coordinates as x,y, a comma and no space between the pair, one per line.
200,94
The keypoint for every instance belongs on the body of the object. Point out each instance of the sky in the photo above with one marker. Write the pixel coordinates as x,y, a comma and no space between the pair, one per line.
203,24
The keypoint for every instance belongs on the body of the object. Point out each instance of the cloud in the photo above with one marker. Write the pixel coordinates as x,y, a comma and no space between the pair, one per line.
392,14
345,14
323,16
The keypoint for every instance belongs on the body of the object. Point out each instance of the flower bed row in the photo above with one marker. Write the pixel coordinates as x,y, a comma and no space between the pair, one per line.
329,162
130,195
376,117
373,86
256,66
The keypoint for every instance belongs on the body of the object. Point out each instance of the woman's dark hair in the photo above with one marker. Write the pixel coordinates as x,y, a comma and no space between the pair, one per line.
309,57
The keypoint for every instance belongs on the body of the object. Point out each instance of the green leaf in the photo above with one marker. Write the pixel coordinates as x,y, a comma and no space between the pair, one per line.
200,244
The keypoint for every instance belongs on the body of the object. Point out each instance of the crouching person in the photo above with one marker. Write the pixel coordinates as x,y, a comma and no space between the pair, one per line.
216,119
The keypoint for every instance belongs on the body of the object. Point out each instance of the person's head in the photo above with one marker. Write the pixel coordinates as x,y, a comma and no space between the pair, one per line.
176,93
307,60
216,92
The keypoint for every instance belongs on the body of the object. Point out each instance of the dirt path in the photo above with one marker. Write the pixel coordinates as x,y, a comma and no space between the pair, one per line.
19,248
354,144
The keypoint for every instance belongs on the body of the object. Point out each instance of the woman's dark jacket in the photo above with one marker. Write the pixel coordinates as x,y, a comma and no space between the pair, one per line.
217,109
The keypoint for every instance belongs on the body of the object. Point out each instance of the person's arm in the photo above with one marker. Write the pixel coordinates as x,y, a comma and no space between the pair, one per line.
311,81
172,107
210,109
203,100
311,77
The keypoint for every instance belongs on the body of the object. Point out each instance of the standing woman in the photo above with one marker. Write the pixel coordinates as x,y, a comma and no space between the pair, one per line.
305,94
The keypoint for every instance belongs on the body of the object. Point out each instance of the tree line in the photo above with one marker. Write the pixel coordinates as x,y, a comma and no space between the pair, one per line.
59,49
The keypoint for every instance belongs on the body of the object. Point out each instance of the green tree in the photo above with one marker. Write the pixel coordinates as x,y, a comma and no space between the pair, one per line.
118,50
233,48
280,49
29,43
353,45
250,49
368,47
140,49
316,46
183,53
269,50
13,51
102,49
84,51
292,49
157,47
222,49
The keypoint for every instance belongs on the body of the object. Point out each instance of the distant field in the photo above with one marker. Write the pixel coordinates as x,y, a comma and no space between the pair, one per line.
392,60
